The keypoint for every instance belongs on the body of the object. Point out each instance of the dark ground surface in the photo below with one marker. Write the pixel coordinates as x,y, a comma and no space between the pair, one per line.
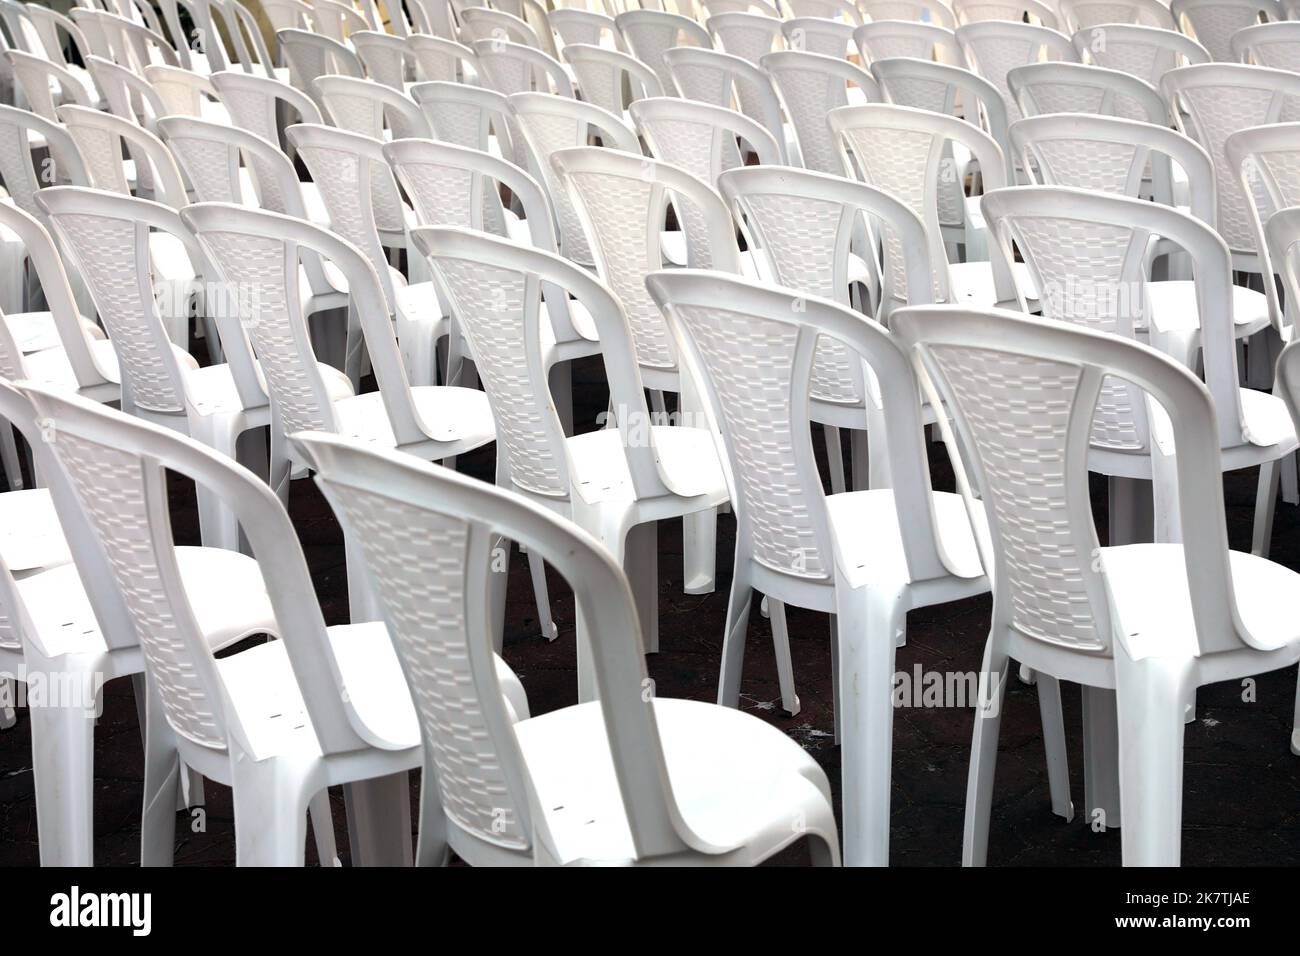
1241,785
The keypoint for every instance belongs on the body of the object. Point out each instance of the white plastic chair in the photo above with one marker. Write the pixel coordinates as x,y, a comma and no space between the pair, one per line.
993,48
1087,256
728,81
746,35
1145,52
129,44
933,12
269,721
1275,45
287,14
22,134
483,23
70,623
126,94
184,93
816,35
256,104
433,18
887,39
1152,622
1213,22
1005,11
1084,88
624,780
615,483
648,33
439,60
369,108
312,55
585,27
809,86
865,557
101,138
713,8
336,21
548,124
45,85
824,10
470,116
387,59
1079,15
514,68
902,151
602,74
107,238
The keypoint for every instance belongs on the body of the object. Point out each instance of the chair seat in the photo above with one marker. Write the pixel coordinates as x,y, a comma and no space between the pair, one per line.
458,416
688,461
1148,583
972,284
738,780
34,331
225,591
30,534
260,684
869,544
1173,307
1266,423
52,368
418,302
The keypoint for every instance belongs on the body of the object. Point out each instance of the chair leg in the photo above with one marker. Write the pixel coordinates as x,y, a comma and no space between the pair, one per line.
379,820
733,639
869,622
537,568
9,457
699,551
431,844
1058,761
835,675
63,761
322,828
1270,474
984,755
835,458
498,585
784,667
8,697
1101,801
860,455
270,813
641,562
363,600
1151,696
1295,723
1290,483
162,777
560,379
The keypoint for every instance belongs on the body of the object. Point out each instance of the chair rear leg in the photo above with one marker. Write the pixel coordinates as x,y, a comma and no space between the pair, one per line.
1058,761
984,755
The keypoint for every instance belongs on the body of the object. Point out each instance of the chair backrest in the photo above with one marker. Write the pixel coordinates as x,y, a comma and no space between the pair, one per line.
1005,11
1112,155
945,89
1083,88
368,108
387,59
994,48
100,138
548,124
52,26
337,21
1282,240
727,81
437,59
601,72
1221,98
1267,163
933,12
21,133
118,468
392,504
746,35
257,254
1145,52
255,103
39,78
713,8
750,340
805,225
433,18
287,14
126,94
469,116
905,151
621,200
586,27
132,45
1087,255
47,264
514,68
482,23
815,35
107,238
702,139
1022,391
887,39
824,10
358,190
809,86
1213,22
312,55
1275,45
1079,15
648,33
182,91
